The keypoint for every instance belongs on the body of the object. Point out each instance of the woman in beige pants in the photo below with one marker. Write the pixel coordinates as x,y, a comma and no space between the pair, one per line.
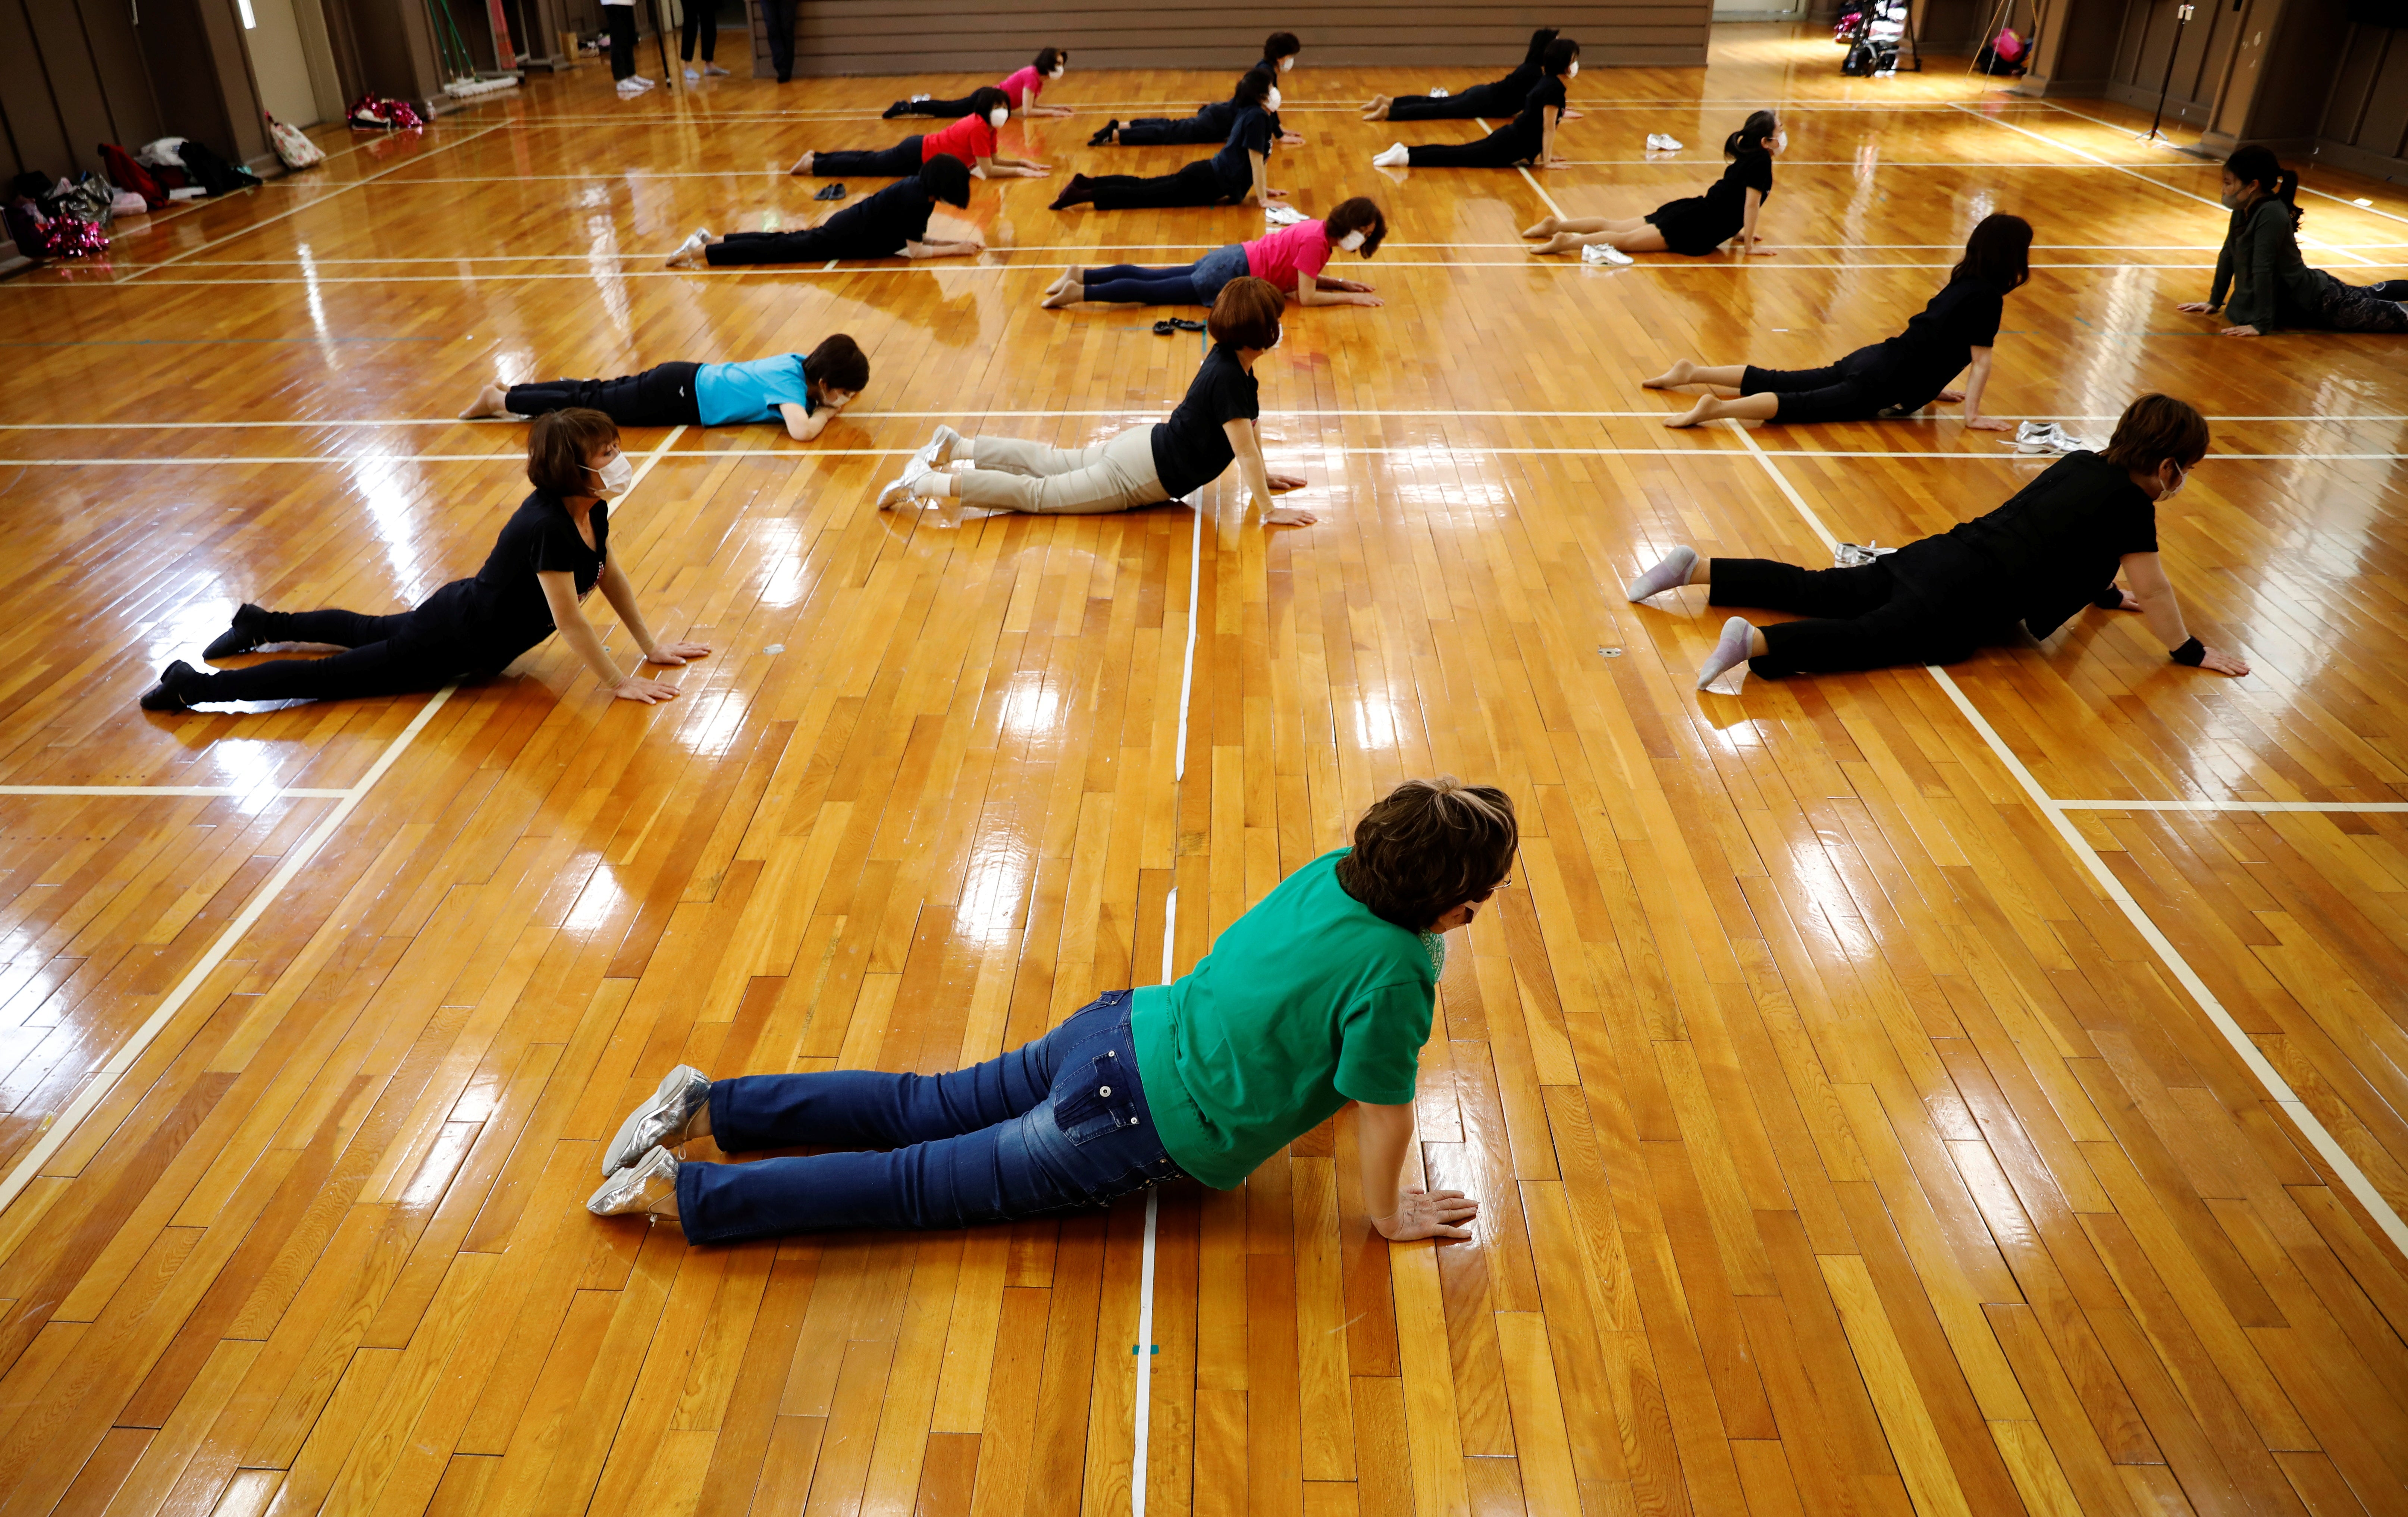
1213,428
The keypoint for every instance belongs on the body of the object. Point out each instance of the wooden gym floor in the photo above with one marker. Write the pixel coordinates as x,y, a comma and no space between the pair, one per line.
1982,1092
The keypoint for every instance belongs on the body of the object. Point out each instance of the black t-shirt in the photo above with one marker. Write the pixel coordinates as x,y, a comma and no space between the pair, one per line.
2060,538
880,224
1253,132
1728,197
1939,340
500,613
1529,128
1190,451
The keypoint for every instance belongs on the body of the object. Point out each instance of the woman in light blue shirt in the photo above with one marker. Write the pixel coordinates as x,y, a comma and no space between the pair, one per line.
802,392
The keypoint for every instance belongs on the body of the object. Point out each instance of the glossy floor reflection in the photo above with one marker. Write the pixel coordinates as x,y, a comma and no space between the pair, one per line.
1847,1144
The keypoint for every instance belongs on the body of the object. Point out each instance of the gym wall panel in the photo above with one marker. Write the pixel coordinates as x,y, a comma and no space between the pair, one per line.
2365,124
937,37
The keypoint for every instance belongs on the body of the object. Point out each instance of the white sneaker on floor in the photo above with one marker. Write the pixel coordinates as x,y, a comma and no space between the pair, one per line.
661,1121
1438,93
642,1186
641,81
901,491
688,253
1663,142
690,76
711,70
629,89
1395,156
1601,252
940,447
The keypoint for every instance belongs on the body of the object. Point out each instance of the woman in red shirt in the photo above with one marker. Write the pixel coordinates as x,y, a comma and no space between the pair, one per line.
1021,87
1291,258
971,139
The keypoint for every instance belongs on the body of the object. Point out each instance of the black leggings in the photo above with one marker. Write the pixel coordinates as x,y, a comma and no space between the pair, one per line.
805,245
778,16
1479,100
1855,389
697,22
387,655
1194,185
1501,149
1871,617
900,161
1181,131
661,395
622,22
951,110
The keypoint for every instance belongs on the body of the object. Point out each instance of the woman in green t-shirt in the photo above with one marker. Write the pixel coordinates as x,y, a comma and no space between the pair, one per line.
1321,995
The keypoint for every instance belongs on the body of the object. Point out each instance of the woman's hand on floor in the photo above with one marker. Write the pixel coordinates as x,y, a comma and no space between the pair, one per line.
1427,1214
646,691
2195,306
2222,662
2241,332
676,654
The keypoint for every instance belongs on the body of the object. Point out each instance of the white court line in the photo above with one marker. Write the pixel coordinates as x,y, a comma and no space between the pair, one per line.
2233,806
280,792
603,176
1438,453
60,1126
2120,169
333,422
2113,887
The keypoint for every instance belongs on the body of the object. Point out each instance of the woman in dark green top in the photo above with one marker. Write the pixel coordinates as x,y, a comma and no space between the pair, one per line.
1322,995
2260,266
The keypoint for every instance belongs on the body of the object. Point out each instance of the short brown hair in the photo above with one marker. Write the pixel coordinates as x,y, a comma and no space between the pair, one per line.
1246,314
2155,428
837,363
558,446
1429,846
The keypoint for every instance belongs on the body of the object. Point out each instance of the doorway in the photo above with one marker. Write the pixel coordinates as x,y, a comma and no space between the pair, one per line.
292,60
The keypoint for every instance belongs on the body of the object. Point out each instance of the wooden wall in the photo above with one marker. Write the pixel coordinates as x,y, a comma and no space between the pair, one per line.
2365,122
937,37
77,73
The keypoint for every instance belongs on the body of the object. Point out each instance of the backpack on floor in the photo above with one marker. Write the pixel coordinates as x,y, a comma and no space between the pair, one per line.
295,149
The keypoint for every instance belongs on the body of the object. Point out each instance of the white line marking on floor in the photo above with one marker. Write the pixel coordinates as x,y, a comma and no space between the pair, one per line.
280,792
2120,169
2113,887
2233,806
311,424
1433,453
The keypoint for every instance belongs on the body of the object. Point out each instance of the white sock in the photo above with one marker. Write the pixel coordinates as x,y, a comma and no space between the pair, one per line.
1729,653
1671,570
1397,156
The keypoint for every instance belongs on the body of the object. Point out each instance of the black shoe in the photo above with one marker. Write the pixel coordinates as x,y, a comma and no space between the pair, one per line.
1077,192
900,107
2390,289
162,696
240,637
1104,138
830,191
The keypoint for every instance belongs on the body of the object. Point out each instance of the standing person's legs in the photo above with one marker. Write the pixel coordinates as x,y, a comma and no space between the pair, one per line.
900,161
805,244
620,19
1114,476
1059,1123
702,20
779,16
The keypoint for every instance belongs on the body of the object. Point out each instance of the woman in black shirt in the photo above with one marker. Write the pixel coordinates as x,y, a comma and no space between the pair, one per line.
1213,428
2054,547
1696,226
1528,138
1491,99
552,553
1210,123
1235,175
2272,286
1892,379
892,223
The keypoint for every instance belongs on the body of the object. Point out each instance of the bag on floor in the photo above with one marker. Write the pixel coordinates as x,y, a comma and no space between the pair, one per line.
24,227
382,113
163,152
87,197
292,146
126,173
213,173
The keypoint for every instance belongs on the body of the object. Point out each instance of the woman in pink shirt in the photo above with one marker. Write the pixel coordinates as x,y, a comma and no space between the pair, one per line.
1021,87
1291,258
971,139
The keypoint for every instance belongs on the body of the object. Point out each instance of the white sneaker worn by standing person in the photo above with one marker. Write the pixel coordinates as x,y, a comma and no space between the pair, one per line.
629,89
689,252
640,82
661,1121
650,1184
690,76
1604,252
711,70
1397,155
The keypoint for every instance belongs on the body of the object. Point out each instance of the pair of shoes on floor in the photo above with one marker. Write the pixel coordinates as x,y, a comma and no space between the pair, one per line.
830,191
708,70
2044,438
688,253
168,693
639,1166
1176,323
1276,215
1103,137
634,85
172,692
1662,142
1396,155
1604,252
933,457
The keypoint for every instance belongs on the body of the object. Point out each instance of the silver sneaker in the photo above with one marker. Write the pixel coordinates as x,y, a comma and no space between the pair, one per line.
640,1187
661,1120
690,254
940,447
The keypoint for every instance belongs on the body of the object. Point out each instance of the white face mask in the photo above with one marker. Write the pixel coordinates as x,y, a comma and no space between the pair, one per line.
1351,241
997,117
1573,72
1780,142
1272,101
616,476
2181,478
1287,62
1059,69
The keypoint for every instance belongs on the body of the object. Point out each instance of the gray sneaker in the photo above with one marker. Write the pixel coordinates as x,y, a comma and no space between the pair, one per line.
662,1120
641,1187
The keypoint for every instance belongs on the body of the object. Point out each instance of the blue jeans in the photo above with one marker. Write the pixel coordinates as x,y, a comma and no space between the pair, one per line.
1058,1124
1197,283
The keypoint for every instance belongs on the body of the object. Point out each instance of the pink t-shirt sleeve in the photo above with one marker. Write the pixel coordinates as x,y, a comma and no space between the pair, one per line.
1022,86
1285,256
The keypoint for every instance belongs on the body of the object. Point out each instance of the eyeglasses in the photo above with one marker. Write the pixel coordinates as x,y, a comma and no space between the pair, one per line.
1505,883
